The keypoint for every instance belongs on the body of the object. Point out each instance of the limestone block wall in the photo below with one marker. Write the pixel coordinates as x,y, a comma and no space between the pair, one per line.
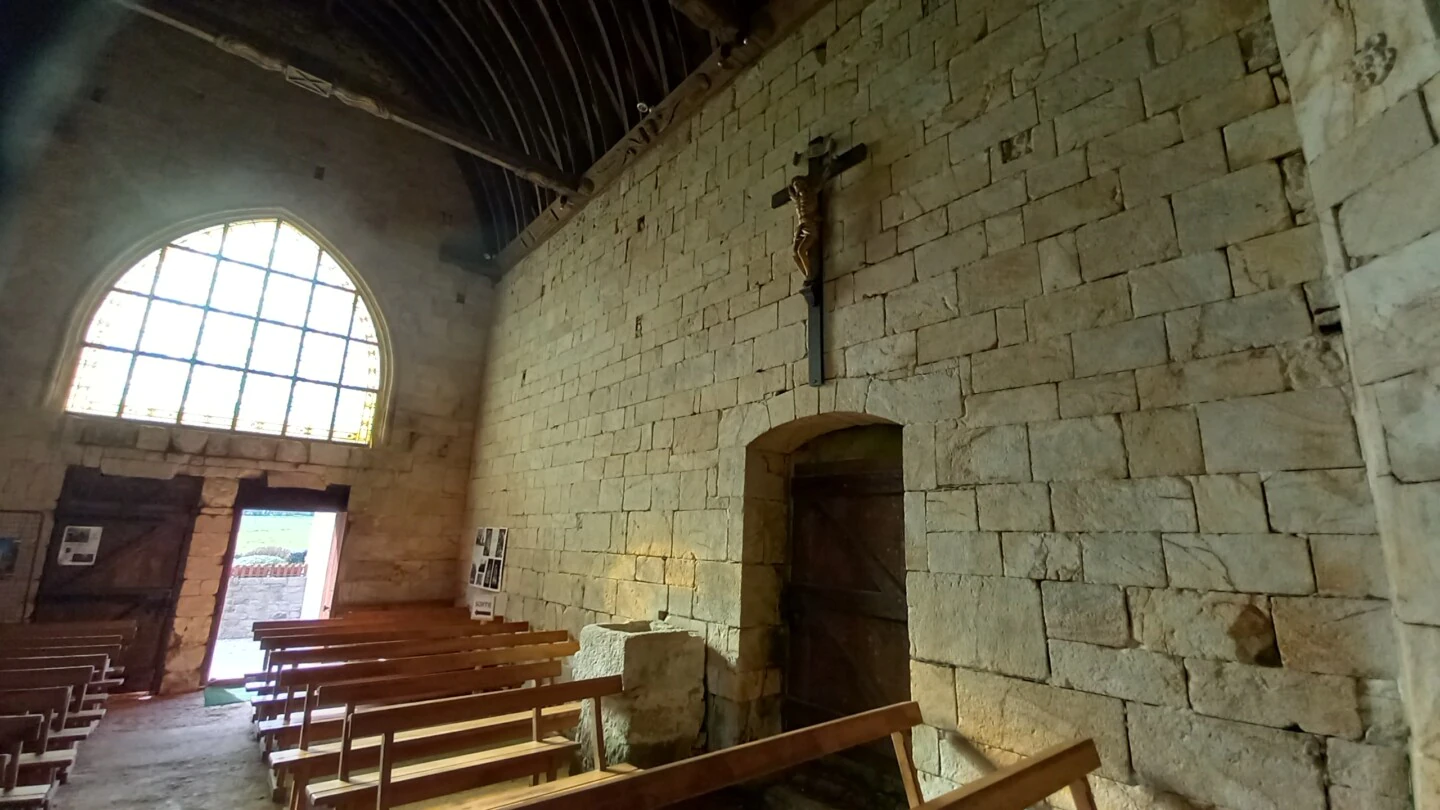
169,129
1367,98
257,598
1085,269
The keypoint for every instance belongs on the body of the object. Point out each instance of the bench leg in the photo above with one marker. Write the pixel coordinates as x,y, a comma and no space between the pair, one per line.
1080,792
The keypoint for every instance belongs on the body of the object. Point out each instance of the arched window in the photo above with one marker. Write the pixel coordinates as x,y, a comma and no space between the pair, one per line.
248,326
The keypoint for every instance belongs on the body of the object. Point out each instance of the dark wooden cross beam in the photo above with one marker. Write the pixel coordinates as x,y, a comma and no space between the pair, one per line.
719,17
821,166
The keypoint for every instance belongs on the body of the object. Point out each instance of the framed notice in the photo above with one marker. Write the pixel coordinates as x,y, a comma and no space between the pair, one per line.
487,558
79,545
486,605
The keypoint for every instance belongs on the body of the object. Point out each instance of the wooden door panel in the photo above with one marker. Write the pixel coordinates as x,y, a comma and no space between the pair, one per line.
848,643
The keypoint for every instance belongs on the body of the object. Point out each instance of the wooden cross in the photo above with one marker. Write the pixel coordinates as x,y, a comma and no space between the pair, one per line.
806,191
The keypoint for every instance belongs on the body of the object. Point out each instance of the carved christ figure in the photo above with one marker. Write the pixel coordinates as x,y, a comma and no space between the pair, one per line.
805,193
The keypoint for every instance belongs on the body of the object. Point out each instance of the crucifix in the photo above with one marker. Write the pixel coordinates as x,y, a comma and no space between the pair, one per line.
806,192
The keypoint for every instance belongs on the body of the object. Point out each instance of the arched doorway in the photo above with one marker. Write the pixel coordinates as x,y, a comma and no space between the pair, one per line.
843,605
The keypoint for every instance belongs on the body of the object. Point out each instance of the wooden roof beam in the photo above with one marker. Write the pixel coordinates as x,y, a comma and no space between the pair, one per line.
716,16
326,81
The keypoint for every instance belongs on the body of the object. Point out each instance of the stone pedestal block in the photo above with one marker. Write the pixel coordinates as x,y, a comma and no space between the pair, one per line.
657,719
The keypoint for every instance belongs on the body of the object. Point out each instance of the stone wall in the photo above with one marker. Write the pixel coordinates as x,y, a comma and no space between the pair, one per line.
252,598
1084,269
169,129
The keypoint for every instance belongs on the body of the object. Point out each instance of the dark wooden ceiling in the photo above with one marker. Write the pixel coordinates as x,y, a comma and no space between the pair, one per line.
561,81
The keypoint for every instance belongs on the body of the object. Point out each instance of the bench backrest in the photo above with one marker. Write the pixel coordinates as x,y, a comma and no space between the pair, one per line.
53,703
358,635
10,653
408,648
15,732
19,644
77,678
391,720
125,628
1028,781
99,662
423,664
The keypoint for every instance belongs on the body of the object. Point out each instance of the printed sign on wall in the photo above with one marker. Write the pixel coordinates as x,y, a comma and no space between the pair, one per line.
487,558
79,545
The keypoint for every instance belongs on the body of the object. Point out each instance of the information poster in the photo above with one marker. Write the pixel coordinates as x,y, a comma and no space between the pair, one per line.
79,545
487,558
9,556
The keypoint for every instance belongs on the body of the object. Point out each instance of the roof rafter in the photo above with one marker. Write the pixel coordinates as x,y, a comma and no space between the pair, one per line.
716,16
326,81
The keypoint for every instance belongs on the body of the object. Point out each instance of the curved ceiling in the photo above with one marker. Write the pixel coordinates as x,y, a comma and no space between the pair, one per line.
560,80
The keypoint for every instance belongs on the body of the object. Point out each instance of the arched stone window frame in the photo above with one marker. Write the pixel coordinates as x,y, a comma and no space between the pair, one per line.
68,357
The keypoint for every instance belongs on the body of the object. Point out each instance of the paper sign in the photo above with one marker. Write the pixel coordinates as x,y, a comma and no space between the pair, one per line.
79,545
487,558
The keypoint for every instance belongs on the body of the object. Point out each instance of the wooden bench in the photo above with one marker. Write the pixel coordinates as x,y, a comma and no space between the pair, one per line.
376,650
125,628
21,645
1016,787
399,728
102,681
329,724
13,701
304,683
81,713
270,643
15,732
37,763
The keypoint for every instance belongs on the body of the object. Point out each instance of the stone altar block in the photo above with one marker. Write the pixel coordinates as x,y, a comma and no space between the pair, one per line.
657,719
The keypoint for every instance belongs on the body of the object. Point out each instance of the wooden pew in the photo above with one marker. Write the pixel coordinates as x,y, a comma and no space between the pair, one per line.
264,630
38,763
125,628
375,650
15,732
100,682
77,678
303,683
269,644
399,728
60,736
314,727
19,645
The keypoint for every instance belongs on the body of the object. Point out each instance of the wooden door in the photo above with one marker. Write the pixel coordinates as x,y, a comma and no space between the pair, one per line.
145,527
845,607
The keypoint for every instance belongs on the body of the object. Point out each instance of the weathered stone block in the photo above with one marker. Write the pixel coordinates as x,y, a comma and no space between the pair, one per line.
1111,393
1370,768
1372,151
1077,611
1394,210
1094,76
1257,563
1230,503
1027,717
1137,237
1163,442
1407,406
1120,347
1230,103
1001,280
950,510
1262,136
1290,257
965,553
1074,449
1059,262
1076,308
1176,168
1185,282
1337,636
648,533
1099,117
1047,178
1393,312
1228,764
1274,696
1234,375
1069,208
878,356
1138,675
933,687
1233,627
1133,143
1022,365
1192,75
1035,403
1349,565
980,455
1149,504
920,304
1041,555
1296,430
1004,49
1123,558
1014,507
1236,324
955,338
993,127
1327,501
1239,206
1007,634
947,253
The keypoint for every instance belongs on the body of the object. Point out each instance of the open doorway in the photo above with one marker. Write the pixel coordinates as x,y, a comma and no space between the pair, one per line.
284,555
